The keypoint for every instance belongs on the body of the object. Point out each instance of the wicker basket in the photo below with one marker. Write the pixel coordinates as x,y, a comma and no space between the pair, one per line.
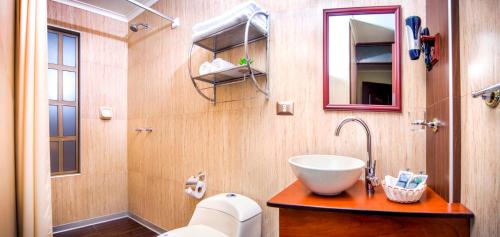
403,195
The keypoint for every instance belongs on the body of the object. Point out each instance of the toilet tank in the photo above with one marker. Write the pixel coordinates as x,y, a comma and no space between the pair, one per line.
232,214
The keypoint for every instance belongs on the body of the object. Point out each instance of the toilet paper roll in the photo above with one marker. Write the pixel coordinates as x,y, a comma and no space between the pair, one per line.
198,191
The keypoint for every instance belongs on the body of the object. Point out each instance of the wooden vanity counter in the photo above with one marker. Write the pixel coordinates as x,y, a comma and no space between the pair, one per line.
354,213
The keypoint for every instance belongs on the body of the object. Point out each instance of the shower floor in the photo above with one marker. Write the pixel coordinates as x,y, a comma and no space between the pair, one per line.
121,227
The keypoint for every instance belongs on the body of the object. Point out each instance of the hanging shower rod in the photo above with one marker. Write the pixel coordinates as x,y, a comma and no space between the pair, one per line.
175,21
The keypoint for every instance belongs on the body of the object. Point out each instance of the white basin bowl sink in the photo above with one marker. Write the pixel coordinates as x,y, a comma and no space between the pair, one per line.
327,174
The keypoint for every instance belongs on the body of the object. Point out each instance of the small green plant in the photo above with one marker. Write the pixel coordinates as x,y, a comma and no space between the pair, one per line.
243,61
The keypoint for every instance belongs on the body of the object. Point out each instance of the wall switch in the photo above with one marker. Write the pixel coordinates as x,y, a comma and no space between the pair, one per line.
106,113
284,108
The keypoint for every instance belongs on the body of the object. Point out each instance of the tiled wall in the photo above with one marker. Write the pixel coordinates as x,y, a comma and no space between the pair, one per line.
101,188
244,146
480,65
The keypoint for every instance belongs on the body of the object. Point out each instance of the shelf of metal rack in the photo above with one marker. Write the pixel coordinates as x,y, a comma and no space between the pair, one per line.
229,75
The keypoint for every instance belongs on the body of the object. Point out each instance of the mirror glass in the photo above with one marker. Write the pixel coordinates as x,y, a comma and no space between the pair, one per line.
362,60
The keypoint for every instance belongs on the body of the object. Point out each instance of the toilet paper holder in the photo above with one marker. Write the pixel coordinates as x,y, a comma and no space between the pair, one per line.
195,185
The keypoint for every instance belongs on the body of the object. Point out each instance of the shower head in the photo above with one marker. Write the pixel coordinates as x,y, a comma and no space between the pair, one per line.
138,26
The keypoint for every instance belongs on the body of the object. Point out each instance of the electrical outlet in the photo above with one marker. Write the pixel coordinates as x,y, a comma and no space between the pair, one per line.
284,108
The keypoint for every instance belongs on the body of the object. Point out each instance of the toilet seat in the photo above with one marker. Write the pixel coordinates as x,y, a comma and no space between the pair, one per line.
194,231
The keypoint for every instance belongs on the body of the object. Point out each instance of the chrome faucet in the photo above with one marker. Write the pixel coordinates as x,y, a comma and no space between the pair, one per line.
370,179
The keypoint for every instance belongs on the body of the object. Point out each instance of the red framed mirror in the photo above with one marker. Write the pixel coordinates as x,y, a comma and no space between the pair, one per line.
362,59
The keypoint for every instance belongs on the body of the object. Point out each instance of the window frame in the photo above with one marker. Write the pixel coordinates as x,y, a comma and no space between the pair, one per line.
60,67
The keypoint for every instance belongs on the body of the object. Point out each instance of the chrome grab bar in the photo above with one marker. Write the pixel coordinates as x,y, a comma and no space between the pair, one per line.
490,94
486,91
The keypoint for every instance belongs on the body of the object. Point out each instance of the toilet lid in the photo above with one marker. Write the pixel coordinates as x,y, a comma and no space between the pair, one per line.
194,231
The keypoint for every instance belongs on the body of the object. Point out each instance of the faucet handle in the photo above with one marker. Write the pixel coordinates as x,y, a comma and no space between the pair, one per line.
370,168
374,180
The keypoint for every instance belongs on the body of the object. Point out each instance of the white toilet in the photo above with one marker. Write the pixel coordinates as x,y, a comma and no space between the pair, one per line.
223,215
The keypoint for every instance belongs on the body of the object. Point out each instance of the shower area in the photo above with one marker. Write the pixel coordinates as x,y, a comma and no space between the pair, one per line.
88,47
142,123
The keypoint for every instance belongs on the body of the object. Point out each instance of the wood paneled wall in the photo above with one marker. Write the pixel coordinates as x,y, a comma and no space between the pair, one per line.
7,173
244,146
480,65
438,103
101,188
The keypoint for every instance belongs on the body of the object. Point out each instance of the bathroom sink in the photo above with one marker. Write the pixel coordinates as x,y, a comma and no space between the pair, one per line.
327,174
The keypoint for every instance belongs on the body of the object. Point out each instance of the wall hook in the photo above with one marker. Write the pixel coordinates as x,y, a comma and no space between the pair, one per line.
430,47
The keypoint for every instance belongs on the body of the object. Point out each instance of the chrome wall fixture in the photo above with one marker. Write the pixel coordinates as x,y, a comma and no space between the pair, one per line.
144,130
490,95
434,124
175,21
138,26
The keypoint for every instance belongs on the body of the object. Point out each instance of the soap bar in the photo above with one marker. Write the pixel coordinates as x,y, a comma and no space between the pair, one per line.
416,181
403,178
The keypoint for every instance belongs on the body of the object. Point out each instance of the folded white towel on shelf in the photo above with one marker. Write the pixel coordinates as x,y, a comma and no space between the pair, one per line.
221,64
206,68
233,17
217,64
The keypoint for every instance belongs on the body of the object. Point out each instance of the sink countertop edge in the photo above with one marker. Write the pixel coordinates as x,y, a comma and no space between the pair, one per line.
355,200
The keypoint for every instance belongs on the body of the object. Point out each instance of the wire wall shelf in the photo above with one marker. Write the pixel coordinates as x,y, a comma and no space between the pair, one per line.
239,35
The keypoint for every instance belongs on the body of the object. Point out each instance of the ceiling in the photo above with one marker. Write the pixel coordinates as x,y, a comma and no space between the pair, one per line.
373,28
118,9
